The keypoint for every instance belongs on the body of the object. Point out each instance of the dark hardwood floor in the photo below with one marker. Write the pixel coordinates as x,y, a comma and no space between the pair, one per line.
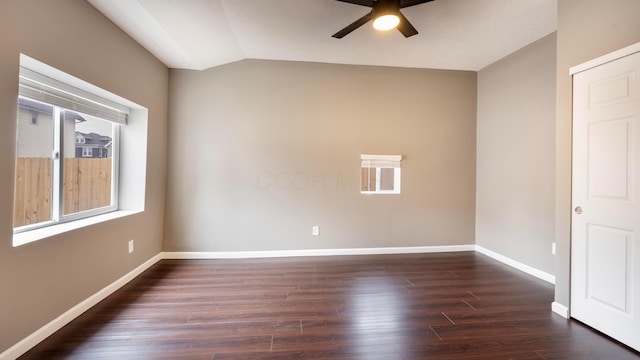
426,306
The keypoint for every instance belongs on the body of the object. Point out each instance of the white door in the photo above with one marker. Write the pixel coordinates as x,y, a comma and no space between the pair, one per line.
605,254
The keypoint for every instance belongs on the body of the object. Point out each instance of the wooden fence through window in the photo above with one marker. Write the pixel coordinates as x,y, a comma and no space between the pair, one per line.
87,185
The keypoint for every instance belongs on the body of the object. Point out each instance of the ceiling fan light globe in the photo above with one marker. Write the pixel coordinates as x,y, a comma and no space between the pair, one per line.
386,22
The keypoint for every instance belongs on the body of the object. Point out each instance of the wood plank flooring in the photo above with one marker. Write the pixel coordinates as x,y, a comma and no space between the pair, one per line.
419,306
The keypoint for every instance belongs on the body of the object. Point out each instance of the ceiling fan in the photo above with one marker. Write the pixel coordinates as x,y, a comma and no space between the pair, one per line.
385,14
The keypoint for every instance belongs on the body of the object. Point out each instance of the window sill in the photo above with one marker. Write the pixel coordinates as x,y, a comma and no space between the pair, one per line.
49,231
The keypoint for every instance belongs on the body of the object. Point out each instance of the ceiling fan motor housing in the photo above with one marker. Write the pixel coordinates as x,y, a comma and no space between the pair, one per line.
386,7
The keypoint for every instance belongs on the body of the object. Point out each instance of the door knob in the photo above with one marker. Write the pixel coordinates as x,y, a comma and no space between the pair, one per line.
578,210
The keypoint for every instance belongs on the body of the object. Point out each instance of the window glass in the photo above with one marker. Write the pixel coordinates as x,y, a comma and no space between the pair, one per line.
387,176
369,178
33,175
88,172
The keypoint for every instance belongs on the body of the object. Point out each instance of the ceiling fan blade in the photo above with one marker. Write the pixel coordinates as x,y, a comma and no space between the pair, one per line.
356,24
368,3
405,26
407,3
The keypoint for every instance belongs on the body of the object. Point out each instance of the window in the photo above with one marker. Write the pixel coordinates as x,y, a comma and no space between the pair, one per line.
87,152
380,174
59,177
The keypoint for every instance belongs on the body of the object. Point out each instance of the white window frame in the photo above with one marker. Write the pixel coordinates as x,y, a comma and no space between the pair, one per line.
378,162
132,169
38,87
57,171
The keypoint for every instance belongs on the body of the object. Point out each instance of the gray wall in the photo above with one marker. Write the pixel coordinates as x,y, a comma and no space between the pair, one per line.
515,155
41,280
260,151
586,29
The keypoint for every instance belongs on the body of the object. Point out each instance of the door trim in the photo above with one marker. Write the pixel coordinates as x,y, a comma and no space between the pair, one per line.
612,56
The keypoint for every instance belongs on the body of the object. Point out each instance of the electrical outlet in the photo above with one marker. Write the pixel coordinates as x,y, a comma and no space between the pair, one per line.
315,231
553,248
130,246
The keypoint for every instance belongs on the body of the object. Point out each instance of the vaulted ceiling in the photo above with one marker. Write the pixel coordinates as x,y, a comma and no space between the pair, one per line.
453,34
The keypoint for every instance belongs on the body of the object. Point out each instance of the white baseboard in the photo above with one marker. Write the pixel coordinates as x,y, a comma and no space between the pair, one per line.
315,252
518,265
34,339
560,309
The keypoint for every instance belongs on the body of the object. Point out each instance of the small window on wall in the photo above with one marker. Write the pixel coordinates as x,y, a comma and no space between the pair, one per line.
380,174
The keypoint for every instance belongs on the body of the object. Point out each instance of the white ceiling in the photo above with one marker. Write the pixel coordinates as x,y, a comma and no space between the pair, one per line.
453,34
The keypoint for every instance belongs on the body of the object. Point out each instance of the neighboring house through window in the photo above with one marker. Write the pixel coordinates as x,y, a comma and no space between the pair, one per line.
93,145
